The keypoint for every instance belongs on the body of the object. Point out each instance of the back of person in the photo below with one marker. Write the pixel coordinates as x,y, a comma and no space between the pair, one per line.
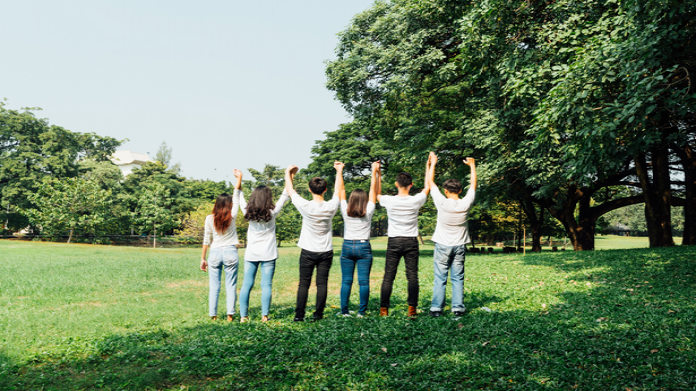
402,214
451,228
357,228
317,221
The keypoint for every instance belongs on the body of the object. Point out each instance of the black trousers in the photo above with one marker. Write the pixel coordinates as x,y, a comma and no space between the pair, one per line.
407,248
308,261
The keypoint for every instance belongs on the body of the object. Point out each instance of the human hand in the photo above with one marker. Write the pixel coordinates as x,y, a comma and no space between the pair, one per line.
469,161
339,166
292,169
204,265
432,158
376,166
237,173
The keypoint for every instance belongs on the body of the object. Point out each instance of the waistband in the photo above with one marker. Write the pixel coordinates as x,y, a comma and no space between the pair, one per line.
353,241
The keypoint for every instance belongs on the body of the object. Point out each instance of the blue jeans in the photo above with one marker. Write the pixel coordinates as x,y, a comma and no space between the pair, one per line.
267,271
444,259
219,257
356,252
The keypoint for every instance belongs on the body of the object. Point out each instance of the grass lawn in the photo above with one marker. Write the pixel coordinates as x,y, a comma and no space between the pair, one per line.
85,317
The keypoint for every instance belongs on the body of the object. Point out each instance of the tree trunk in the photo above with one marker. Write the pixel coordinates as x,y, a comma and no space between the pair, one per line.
154,236
687,155
535,222
658,213
70,236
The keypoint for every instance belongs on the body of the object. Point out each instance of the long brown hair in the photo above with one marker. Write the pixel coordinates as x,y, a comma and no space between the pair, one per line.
357,203
222,213
260,205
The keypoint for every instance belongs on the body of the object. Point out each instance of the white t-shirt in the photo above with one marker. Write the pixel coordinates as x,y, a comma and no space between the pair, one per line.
261,235
227,238
357,228
316,223
402,214
452,228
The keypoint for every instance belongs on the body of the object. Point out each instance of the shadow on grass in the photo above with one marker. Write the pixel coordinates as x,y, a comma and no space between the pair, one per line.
631,328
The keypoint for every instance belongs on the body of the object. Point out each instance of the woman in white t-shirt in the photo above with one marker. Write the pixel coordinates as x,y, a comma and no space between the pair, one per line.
357,221
261,251
220,234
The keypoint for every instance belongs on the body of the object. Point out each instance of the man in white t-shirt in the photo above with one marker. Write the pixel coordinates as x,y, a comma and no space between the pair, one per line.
315,240
451,235
402,214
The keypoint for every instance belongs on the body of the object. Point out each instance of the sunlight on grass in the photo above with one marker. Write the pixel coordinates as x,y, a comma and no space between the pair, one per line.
133,318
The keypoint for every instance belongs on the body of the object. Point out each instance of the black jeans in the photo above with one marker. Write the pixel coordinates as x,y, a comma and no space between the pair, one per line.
308,261
398,247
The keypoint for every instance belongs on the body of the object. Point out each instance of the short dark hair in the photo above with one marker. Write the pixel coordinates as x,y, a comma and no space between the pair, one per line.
317,185
453,186
404,179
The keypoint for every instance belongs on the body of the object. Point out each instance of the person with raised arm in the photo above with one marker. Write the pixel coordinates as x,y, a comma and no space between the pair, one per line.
220,234
261,251
451,235
357,221
402,214
315,239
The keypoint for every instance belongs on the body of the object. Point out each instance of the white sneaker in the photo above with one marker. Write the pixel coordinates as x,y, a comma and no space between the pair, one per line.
346,315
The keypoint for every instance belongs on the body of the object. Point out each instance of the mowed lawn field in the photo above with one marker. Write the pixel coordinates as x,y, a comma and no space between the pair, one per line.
88,317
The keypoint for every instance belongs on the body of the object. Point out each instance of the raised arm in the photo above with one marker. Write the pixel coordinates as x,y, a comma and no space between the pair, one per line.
426,184
374,182
340,187
237,193
289,176
378,186
472,163
430,179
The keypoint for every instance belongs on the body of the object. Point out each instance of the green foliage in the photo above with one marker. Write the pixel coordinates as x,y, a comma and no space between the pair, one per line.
164,156
153,211
70,205
31,150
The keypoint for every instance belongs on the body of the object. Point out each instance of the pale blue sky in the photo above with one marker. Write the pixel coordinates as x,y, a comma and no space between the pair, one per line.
227,84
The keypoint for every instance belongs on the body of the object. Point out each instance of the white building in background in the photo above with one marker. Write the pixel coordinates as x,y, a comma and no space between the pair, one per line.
127,160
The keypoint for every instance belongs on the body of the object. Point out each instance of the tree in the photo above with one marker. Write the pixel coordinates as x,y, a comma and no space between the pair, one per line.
31,149
496,80
164,156
72,205
153,211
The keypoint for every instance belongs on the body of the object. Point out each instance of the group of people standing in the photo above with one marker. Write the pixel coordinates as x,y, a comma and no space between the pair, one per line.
450,237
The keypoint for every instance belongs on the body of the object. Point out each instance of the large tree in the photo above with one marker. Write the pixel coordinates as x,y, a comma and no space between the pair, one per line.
485,78
31,150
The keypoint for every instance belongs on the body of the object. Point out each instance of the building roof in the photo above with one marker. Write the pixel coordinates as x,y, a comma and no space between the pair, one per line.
121,158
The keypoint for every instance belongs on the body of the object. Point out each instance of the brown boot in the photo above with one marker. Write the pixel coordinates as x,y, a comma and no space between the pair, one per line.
411,311
383,311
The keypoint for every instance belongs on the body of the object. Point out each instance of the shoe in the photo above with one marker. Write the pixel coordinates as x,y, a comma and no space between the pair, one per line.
383,311
361,315
346,315
245,319
264,318
213,317
298,319
317,317
458,313
412,310
435,314
230,318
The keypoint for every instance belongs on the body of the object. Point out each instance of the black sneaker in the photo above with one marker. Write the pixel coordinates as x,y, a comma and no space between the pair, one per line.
458,313
298,319
317,317
435,314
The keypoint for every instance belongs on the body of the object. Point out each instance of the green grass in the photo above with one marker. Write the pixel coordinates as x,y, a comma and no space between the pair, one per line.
84,317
